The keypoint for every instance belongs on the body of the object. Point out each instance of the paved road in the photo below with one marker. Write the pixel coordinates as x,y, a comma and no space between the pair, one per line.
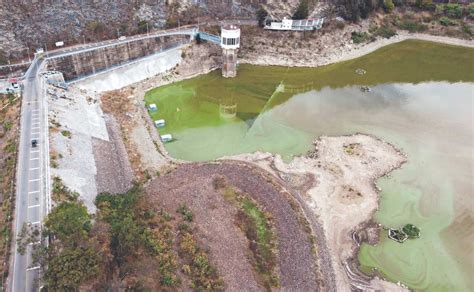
31,179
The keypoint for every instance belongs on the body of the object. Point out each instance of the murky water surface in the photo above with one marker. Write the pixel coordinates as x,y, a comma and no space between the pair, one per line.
421,100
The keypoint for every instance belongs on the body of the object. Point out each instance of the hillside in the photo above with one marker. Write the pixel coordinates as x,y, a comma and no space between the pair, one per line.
34,23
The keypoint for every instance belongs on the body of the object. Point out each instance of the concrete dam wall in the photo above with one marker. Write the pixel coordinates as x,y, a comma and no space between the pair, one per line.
102,59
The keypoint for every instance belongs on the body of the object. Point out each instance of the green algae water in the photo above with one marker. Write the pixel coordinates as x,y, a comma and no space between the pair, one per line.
421,101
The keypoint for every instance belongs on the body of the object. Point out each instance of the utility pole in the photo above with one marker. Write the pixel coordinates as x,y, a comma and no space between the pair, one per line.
118,33
84,39
46,48
147,32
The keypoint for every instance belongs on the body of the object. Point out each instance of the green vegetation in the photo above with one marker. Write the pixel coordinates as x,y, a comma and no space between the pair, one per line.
261,16
185,212
142,26
10,147
388,5
257,228
3,58
385,31
66,133
72,267
446,21
359,37
302,10
61,193
72,258
411,230
69,222
203,275
7,125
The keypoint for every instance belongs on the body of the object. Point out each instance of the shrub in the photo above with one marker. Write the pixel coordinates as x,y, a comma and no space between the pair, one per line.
359,37
66,133
466,28
453,10
413,26
470,10
446,21
302,10
187,214
261,16
388,6
385,32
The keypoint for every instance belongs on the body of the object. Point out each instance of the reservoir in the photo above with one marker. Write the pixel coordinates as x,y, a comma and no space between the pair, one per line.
415,95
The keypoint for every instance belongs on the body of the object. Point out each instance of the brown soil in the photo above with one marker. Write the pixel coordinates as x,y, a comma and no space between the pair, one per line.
9,117
192,184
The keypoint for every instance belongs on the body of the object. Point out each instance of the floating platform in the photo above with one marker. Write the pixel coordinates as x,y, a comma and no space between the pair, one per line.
166,138
160,123
152,107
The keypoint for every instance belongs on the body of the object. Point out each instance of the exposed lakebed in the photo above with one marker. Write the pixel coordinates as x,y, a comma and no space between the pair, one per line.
421,100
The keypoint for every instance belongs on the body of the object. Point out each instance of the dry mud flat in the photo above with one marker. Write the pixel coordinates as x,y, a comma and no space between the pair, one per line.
337,180
192,184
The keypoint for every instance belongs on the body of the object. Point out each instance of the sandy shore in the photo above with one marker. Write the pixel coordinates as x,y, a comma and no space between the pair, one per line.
337,181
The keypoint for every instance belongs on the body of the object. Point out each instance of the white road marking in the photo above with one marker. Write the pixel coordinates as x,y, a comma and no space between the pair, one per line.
35,124
34,128
34,158
36,222
33,192
35,179
34,151
34,133
34,243
33,268
34,168
34,206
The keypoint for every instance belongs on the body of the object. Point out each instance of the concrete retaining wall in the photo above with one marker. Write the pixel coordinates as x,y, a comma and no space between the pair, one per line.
89,63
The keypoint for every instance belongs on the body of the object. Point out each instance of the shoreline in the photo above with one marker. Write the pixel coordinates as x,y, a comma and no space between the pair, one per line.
323,199
349,54
353,51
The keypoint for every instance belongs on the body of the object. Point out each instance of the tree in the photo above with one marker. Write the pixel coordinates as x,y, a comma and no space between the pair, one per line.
302,10
69,221
71,268
261,16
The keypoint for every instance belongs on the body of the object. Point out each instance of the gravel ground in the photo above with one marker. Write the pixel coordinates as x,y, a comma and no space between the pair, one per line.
81,116
114,173
192,183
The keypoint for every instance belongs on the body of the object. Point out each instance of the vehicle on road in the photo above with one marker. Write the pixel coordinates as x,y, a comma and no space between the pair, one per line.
34,143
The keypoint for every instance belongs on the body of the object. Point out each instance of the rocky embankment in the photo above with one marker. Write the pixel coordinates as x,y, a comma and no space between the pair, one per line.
31,23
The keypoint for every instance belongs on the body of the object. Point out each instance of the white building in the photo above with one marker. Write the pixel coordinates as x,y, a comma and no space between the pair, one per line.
296,25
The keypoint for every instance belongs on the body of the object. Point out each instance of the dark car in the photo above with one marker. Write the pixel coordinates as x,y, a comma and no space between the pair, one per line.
34,143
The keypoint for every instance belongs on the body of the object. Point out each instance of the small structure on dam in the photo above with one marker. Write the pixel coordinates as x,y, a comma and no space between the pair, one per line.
230,43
